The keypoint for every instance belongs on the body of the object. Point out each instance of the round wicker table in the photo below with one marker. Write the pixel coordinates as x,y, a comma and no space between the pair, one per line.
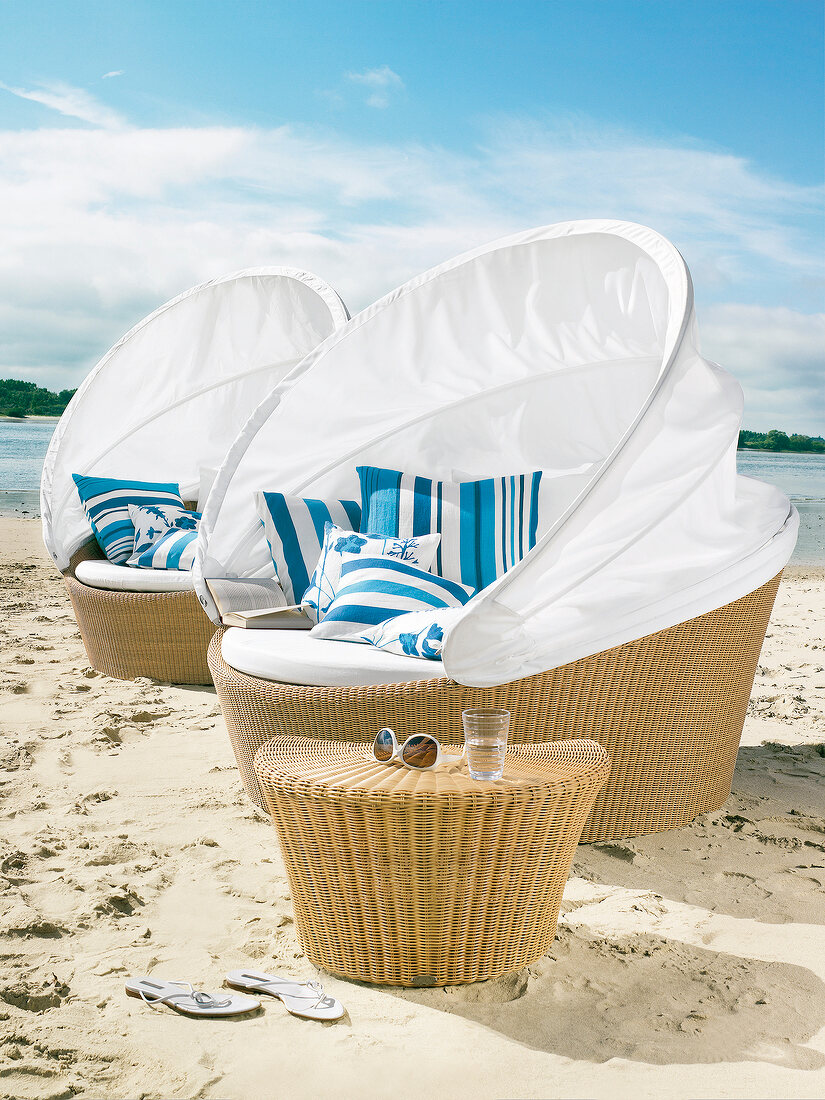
426,878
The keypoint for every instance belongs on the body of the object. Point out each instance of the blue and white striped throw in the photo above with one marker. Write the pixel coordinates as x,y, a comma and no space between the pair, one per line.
373,590
325,580
486,526
164,537
106,502
294,529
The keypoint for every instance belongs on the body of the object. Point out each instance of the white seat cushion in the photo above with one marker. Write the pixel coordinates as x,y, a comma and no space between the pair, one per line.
293,657
100,573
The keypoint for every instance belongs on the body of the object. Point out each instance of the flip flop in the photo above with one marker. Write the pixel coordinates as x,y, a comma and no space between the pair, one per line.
305,999
183,997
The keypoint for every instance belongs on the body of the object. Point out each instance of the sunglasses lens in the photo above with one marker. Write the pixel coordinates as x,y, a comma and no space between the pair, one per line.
420,752
382,746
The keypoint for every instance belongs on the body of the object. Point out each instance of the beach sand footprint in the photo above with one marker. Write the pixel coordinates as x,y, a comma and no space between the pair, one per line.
648,999
762,855
34,990
33,1064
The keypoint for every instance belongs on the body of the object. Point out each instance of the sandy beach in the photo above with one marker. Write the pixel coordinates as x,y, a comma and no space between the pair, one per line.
687,964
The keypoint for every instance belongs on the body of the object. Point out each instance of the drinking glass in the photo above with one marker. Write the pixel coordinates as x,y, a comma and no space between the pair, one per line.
485,735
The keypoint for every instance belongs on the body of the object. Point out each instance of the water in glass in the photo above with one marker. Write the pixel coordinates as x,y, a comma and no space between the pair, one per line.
485,734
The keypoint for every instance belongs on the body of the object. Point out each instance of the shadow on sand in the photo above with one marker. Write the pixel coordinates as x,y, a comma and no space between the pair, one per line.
648,1000
761,856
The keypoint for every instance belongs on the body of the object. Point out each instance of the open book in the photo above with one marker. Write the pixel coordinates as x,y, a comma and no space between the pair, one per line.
256,603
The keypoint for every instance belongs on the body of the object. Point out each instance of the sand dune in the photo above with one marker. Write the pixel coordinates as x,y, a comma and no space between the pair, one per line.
687,964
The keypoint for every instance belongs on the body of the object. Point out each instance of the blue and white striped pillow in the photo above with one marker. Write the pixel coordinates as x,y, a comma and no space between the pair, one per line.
106,501
325,580
294,529
373,590
174,550
486,526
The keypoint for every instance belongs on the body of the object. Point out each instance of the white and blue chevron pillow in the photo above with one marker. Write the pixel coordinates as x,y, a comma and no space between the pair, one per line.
106,502
294,529
373,590
486,526
325,580
165,537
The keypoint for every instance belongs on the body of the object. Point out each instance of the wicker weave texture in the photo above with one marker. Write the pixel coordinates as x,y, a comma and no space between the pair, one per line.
163,635
668,709
426,878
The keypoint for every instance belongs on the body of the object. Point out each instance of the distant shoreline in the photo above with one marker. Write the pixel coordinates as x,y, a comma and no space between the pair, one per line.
777,451
29,418
778,441
37,418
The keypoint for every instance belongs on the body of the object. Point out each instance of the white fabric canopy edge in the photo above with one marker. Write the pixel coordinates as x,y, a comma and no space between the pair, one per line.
664,254
338,312
722,588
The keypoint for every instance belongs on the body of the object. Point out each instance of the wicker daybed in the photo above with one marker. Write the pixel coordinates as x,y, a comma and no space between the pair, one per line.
636,619
668,709
163,635
164,404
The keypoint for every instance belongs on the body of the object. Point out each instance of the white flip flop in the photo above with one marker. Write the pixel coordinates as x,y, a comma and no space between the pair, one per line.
305,999
183,997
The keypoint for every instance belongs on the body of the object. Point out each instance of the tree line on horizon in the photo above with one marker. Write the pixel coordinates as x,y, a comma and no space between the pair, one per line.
775,440
21,399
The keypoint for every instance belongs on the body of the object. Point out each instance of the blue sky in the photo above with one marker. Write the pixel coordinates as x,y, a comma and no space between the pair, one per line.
145,147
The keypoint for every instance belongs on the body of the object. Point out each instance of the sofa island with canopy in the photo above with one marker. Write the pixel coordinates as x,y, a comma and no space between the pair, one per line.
163,405
637,617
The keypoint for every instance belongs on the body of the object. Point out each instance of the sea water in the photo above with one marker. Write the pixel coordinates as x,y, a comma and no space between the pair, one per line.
802,478
23,445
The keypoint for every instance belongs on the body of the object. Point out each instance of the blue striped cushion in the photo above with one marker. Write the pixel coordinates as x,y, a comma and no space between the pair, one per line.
373,590
338,542
486,526
294,529
174,550
106,501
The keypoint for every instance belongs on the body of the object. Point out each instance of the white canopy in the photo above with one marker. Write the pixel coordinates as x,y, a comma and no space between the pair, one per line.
571,349
171,396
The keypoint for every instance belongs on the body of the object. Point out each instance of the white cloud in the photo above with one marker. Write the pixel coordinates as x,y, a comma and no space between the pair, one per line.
114,72
99,226
778,355
381,84
735,219
69,101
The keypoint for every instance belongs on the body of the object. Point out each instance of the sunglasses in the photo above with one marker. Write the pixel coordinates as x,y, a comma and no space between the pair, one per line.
420,751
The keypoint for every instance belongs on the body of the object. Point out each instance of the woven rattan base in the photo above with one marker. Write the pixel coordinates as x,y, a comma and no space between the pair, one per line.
163,635
422,879
668,709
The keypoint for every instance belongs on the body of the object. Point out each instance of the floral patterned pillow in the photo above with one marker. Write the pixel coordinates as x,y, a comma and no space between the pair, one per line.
416,634
323,586
152,523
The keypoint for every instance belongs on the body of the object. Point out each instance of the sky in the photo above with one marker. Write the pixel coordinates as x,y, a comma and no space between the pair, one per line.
148,146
